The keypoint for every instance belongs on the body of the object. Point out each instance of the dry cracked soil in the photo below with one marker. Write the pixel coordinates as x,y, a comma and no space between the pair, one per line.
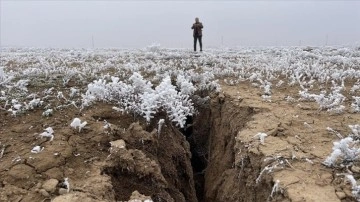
216,158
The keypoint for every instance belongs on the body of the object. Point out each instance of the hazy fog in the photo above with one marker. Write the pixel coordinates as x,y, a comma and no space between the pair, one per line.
136,24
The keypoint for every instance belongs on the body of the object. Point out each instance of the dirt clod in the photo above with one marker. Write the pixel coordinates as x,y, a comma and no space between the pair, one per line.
44,193
63,191
341,195
50,185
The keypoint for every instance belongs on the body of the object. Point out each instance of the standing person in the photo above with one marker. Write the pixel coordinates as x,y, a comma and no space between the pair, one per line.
197,33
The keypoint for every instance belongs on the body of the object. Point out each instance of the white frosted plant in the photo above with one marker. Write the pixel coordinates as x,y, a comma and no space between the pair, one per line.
279,83
355,88
16,107
4,77
96,91
139,84
160,124
37,149
22,84
60,95
186,87
344,151
76,123
2,95
48,91
48,112
354,186
176,105
149,105
73,92
290,99
261,137
154,47
140,98
66,184
331,102
276,188
266,86
355,105
36,102
49,133
335,132
279,163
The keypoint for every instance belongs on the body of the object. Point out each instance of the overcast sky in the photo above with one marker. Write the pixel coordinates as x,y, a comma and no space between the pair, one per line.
136,24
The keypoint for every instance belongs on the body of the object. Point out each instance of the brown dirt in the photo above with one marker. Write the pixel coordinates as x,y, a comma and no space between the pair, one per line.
157,166
226,158
240,113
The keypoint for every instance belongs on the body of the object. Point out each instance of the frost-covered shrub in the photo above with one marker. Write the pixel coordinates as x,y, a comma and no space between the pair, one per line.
140,98
76,123
354,186
154,47
2,95
355,105
73,92
2,75
344,151
16,107
176,104
160,124
261,137
186,87
37,149
49,133
355,88
22,84
48,112
331,102
36,102
355,129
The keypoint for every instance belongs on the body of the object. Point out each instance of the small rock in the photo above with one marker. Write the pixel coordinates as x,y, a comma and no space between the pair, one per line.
355,169
38,185
341,195
116,145
44,193
348,193
50,185
136,196
63,191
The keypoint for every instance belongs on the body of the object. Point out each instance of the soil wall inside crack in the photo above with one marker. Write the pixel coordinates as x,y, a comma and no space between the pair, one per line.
224,181
154,164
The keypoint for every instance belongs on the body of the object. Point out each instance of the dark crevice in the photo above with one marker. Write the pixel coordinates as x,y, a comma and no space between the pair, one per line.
125,182
197,136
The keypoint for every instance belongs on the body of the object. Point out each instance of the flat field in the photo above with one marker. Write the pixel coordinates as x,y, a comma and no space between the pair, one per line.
156,124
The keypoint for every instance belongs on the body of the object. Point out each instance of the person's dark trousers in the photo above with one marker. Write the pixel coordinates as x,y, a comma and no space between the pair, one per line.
200,42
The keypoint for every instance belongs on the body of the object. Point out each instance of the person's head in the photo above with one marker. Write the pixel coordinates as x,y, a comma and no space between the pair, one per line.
196,19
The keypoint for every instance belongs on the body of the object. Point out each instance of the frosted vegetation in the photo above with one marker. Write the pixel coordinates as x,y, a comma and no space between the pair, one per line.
144,82
147,81
155,80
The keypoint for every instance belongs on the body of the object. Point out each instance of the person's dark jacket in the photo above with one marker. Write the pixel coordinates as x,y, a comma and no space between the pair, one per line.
197,27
